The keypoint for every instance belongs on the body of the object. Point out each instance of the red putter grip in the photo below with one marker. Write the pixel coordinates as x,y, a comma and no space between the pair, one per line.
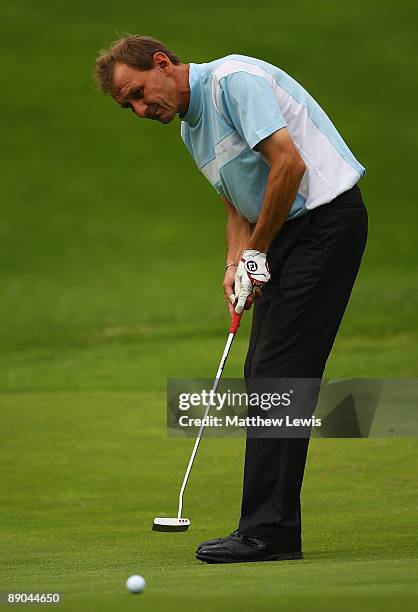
236,320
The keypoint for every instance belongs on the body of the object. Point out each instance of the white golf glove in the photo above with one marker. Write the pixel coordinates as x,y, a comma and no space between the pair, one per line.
252,271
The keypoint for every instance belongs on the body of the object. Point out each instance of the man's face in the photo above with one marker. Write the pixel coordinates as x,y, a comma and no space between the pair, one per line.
148,93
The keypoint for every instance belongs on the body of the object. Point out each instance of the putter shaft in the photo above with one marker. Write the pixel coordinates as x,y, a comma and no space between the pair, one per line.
232,331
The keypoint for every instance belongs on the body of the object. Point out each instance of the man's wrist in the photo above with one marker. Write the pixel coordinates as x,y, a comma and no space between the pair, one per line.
232,263
258,245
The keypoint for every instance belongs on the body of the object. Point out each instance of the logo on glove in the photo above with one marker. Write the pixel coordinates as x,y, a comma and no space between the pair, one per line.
251,266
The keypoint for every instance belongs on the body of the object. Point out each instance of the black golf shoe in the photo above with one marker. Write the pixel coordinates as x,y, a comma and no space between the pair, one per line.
217,540
238,548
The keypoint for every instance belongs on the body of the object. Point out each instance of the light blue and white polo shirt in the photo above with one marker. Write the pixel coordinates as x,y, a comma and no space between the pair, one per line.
237,101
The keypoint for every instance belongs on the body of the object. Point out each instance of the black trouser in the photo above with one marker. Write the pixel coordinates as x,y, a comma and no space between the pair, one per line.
313,261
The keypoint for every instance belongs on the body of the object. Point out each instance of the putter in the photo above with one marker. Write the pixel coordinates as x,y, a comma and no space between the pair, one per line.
180,523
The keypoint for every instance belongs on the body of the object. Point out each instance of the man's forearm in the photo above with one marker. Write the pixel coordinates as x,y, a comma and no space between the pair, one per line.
238,232
281,191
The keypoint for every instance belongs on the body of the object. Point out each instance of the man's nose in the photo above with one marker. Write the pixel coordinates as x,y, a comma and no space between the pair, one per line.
139,108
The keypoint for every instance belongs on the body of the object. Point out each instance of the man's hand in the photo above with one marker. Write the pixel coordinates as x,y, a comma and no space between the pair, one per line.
228,286
252,272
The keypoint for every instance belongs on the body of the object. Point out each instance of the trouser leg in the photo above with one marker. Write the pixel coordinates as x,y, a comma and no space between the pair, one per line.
314,264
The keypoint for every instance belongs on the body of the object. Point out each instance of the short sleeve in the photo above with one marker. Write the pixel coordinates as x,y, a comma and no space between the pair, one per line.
249,102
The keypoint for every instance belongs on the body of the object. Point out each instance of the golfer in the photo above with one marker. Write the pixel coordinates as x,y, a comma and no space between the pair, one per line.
296,232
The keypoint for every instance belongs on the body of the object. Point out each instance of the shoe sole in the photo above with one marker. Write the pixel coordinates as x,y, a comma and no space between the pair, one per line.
276,557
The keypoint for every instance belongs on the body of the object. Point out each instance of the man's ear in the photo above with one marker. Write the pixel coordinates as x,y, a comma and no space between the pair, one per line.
161,61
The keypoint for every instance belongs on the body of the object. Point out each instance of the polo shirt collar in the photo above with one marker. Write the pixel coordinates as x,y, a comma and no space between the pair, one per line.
194,111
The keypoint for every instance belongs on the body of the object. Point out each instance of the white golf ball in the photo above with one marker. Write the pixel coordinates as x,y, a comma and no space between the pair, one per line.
136,584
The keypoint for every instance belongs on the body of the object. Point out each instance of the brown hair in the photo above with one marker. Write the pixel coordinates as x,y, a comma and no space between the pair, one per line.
135,51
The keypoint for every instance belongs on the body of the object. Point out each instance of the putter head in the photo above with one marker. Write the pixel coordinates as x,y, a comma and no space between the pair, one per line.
170,524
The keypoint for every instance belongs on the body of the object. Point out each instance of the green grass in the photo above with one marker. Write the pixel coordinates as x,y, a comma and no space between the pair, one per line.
85,473
111,260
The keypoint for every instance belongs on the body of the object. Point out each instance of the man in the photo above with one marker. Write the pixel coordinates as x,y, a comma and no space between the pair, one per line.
296,226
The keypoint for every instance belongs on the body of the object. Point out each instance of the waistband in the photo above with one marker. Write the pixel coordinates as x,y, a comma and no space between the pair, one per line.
351,196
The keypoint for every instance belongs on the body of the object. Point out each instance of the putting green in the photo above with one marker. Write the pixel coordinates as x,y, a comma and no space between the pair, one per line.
85,473
111,260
